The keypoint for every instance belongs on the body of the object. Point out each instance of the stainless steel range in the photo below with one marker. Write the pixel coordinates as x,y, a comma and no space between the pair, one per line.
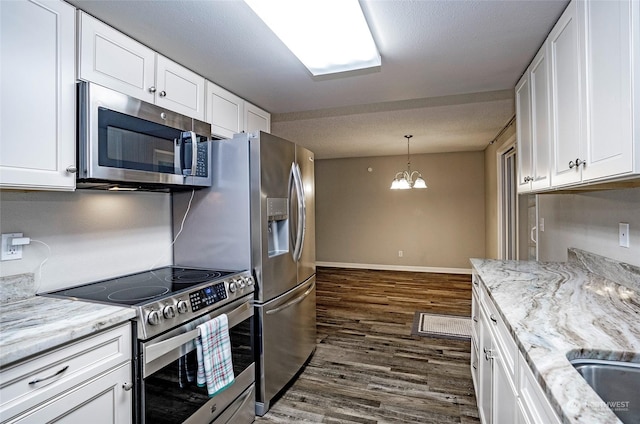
170,302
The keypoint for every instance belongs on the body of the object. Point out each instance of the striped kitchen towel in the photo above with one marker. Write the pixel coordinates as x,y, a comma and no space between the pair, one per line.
213,349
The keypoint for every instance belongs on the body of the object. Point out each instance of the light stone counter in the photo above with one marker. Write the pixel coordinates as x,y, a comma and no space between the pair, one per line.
30,324
562,311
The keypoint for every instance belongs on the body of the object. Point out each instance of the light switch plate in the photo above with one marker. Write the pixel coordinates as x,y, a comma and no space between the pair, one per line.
623,234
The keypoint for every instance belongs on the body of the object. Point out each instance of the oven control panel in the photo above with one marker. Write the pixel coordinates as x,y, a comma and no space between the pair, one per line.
207,296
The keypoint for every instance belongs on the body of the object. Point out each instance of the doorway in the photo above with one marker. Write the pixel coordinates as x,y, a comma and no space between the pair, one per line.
508,201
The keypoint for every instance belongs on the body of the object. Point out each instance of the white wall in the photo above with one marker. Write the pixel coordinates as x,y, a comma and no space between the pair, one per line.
92,234
589,221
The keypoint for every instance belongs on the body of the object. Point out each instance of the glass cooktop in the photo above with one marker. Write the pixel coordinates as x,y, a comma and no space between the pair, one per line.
142,287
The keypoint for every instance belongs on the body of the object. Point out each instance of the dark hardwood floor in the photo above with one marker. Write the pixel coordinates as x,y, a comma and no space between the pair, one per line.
368,368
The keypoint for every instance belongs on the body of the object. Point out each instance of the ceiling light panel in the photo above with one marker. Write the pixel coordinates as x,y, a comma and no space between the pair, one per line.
327,36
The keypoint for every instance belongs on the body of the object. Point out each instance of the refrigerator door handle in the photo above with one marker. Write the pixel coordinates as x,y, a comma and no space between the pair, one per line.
302,214
292,302
295,184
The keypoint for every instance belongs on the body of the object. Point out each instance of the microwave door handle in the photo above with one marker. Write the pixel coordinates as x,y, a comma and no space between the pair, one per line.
194,152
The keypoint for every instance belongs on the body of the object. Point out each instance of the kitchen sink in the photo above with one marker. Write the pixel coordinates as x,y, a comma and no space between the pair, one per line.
617,383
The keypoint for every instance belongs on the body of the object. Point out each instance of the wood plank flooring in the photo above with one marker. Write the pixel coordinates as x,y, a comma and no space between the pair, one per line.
368,368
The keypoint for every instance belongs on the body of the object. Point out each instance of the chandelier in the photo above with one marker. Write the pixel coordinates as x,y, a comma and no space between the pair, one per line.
404,179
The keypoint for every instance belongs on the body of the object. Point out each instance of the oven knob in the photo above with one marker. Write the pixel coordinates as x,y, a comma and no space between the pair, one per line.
183,307
249,281
169,311
240,283
232,286
154,317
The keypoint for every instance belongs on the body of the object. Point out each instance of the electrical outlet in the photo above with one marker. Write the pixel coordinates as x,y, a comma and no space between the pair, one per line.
400,253
623,234
9,252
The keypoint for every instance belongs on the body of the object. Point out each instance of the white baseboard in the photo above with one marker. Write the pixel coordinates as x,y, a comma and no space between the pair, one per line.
395,267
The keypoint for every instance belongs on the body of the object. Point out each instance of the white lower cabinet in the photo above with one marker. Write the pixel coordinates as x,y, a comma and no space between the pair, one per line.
86,381
506,390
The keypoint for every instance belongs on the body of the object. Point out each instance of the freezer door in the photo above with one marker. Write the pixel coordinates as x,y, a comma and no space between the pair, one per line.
307,259
271,246
286,339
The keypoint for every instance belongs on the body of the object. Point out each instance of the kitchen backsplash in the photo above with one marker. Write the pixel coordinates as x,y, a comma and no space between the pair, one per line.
622,273
17,287
92,235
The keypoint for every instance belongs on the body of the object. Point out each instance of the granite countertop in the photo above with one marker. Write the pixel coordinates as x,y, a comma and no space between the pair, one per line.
562,311
31,324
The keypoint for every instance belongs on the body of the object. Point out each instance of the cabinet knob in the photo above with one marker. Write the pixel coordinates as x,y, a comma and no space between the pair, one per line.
163,93
72,169
493,318
152,89
127,386
571,164
580,162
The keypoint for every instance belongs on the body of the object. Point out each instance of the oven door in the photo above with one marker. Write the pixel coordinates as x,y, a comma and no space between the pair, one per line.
167,392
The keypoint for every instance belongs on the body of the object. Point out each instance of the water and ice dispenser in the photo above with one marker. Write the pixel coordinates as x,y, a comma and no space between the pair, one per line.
278,225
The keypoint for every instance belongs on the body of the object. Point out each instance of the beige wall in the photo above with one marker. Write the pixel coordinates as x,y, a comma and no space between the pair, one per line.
491,192
360,221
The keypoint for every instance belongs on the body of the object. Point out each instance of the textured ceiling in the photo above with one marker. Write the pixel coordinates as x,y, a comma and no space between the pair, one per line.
436,56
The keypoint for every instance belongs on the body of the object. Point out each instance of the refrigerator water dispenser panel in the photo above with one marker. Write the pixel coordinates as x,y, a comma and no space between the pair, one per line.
278,226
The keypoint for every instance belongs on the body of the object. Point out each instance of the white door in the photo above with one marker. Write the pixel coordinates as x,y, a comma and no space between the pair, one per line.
37,90
113,60
225,111
567,102
609,144
179,89
540,120
523,128
256,119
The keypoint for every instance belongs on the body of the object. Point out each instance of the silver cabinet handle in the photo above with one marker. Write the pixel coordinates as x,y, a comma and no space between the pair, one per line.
163,93
571,164
71,169
493,318
152,89
38,380
474,319
580,162
127,386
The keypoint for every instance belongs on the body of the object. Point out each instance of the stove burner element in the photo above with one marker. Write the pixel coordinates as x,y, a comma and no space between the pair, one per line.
84,290
192,276
137,294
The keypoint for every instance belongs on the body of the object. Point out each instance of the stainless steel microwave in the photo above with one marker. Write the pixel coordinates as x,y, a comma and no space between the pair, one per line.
124,142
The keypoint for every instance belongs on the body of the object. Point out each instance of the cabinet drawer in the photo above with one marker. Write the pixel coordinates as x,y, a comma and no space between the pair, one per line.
32,382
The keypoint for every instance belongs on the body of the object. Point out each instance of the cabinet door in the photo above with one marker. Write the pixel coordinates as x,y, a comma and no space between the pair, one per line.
540,120
504,394
179,89
225,111
99,401
37,57
523,128
607,34
567,102
111,59
256,119
485,370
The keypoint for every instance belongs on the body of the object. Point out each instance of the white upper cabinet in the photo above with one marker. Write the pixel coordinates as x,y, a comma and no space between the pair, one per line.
608,147
111,59
37,57
533,114
567,100
116,61
256,119
584,96
225,111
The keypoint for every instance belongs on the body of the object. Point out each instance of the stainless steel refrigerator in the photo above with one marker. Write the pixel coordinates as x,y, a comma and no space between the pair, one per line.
259,214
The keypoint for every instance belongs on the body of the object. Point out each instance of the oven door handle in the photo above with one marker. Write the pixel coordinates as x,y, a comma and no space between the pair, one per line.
157,350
